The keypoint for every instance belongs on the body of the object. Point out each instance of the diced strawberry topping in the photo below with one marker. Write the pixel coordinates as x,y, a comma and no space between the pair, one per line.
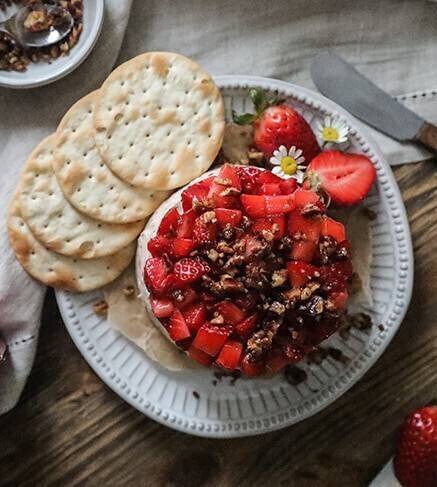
303,250
279,204
184,296
247,326
275,224
270,189
228,217
200,357
303,196
297,223
254,205
249,176
299,273
198,191
230,354
178,328
168,222
277,361
231,314
159,245
267,177
339,298
204,231
195,315
183,246
225,187
250,368
211,338
162,307
288,186
190,269
185,224
333,228
155,274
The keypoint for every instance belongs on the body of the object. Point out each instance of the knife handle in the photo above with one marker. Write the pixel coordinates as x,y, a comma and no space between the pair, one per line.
428,136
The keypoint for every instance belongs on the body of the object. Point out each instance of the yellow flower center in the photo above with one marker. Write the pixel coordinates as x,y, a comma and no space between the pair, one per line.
330,134
288,165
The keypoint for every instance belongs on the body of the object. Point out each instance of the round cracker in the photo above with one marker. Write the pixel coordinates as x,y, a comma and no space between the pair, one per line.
57,224
85,179
71,274
159,120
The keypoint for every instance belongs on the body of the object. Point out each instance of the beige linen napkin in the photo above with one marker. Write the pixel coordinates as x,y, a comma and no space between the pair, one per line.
26,117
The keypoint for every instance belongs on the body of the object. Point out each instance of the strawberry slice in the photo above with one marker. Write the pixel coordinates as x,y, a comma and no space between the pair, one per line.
162,307
303,250
250,368
211,338
204,232
247,326
279,204
198,191
274,224
183,246
299,223
190,269
347,178
230,354
185,224
333,228
254,205
159,245
226,180
178,328
200,357
304,196
249,176
272,189
288,186
228,217
195,315
299,273
155,274
168,222
231,314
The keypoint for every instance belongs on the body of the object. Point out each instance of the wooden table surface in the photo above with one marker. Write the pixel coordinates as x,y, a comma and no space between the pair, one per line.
69,428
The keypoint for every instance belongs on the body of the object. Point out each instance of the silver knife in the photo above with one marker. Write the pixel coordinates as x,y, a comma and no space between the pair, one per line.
342,83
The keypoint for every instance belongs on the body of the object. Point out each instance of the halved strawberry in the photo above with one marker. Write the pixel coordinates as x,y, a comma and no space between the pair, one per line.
304,196
183,246
249,176
168,222
303,250
254,205
279,204
159,245
198,191
230,354
199,356
231,313
227,178
273,223
204,232
347,178
178,328
195,315
288,186
190,269
162,307
272,189
185,296
250,368
299,273
333,228
185,224
299,223
247,326
211,338
228,217
155,274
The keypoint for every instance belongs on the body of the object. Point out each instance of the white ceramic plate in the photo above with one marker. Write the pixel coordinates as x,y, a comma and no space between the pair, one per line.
39,74
253,406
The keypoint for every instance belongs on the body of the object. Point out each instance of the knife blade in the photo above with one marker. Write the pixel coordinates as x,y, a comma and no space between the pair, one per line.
342,83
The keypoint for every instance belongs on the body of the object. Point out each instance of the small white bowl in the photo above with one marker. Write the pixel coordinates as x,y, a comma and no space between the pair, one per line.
43,73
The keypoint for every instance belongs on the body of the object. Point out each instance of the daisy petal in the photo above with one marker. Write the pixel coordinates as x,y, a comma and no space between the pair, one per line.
327,121
275,161
283,151
298,153
319,126
278,171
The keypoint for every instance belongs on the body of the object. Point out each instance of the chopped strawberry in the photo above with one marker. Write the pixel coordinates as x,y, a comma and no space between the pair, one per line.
190,269
250,368
185,224
291,350
288,186
254,205
178,328
274,224
184,296
226,181
253,245
333,228
231,314
339,298
200,357
230,354
195,315
415,462
228,217
247,302
304,196
162,307
168,222
159,245
279,204
198,191
277,361
307,225
303,250
204,231
267,177
249,176
347,178
335,276
155,274
183,246
247,326
210,338
299,273
279,125
271,189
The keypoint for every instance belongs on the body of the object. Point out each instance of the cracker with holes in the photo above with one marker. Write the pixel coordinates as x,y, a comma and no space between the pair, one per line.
71,274
57,224
85,179
159,121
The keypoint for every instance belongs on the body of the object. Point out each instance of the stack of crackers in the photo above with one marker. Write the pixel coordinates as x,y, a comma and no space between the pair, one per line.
85,192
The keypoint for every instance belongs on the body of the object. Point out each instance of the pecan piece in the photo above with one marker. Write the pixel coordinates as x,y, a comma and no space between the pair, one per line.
101,308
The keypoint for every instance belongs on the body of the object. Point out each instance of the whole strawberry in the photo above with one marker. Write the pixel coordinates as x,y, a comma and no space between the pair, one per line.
415,462
275,125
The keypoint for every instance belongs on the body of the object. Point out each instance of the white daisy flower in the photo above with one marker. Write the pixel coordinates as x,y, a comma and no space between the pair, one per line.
333,130
288,164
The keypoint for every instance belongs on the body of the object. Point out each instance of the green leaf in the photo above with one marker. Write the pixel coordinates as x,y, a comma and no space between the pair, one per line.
244,119
259,100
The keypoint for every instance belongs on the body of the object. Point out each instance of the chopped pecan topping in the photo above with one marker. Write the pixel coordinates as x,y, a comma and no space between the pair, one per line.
309,289
261,341
315,306
129,291
311,210
209,217
299,235
101,308
229,283
217,320
212,255
256,156
223,181
276,307
224,247
326,248
230,192
179,295
202,205
228,232
279,277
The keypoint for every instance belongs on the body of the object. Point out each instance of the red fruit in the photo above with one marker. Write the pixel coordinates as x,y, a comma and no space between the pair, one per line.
195,315
292,351
162,307
279,204
299,273
227,178
183,246
267,177
230,355
333,228
199,356
210,338
304,196
303,250
186,295
335,276
228,217
339,298
249,176
155,274
247,326
198,191
159,245
254,205
347,178
272,189
415,462
204,232
178,328
168,222
288,186
252,368
190,269
231,314
185,224
247,302
277,361
274,224
253,245
299,223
